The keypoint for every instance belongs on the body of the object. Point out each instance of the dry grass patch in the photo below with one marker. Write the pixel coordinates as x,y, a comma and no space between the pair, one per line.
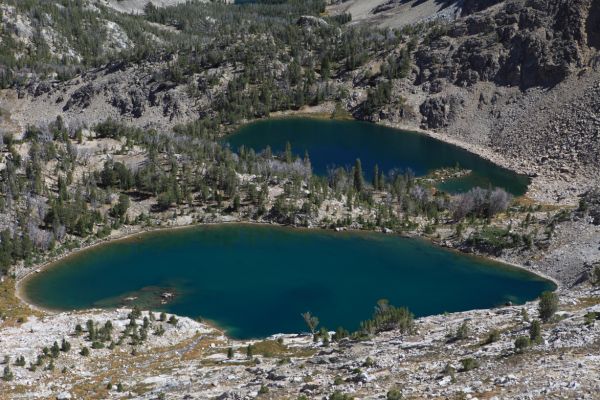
200,346
12,310
582,302
273,348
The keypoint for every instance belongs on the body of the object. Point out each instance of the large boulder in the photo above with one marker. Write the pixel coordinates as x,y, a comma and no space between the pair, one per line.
438,112
472,6
81,98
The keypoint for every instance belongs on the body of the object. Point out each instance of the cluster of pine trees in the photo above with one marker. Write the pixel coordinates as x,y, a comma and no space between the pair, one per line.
278,60
50,196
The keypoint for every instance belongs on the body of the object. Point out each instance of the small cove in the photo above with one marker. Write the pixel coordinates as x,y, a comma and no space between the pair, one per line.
256,280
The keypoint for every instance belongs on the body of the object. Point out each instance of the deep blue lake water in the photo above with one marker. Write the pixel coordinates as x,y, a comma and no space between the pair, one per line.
340,143
256,280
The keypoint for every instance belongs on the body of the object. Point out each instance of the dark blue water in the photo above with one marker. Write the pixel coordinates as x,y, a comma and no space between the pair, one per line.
340,143
256,280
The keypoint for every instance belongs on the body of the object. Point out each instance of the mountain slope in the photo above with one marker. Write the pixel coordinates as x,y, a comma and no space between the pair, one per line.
512,80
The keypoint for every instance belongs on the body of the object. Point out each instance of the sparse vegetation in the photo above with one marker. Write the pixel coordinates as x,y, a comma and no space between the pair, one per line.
238,63
388,317
394,394
548,305
337,395
8,374
469,364
493,336
311,321
522,343
535,332
462,332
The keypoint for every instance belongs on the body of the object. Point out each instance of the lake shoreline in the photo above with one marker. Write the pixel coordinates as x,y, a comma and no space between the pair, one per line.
538,189
131,232
121,236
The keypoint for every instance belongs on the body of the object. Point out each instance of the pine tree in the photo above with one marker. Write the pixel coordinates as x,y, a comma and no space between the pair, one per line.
535,332
8,375
65,346
548,305
288,153
358,176
91,329
376,177
54,350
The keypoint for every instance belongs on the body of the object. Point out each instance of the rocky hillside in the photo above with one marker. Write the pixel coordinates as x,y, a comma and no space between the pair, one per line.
137,6
110,116
512,80
485,354
517,77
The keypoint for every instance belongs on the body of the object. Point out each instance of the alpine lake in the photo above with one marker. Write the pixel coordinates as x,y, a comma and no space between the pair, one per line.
256,280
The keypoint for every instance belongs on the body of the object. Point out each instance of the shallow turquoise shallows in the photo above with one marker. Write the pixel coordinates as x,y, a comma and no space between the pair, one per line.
340,143
256,280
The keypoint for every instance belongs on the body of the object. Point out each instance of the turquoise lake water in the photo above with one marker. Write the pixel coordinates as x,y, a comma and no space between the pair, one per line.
256,280
340,143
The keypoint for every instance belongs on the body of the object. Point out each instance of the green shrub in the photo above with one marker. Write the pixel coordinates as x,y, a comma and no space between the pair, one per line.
340,333
449,370
548,305
525,314
469,364
596,275
590,318
394,394
387,317
337,395
97,345
493,336
369,363
462,332
8,375
20,361
535,332
521,343
65,346
263,390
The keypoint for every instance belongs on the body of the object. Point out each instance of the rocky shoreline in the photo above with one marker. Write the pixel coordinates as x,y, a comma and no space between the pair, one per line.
22,273
515,82
190,360
564,262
